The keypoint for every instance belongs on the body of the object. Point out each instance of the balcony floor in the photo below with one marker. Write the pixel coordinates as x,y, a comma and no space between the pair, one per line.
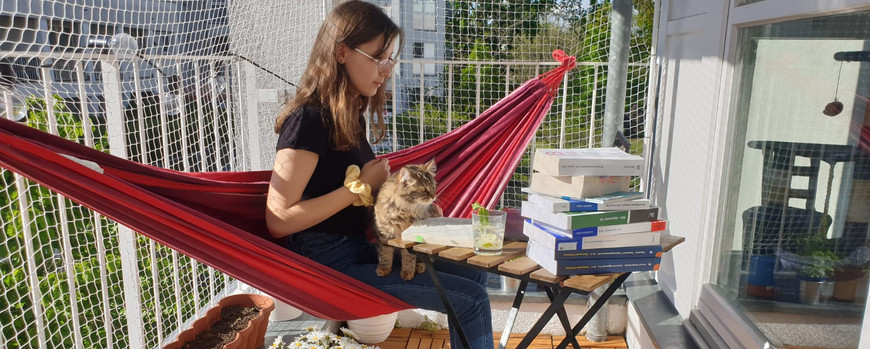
407,338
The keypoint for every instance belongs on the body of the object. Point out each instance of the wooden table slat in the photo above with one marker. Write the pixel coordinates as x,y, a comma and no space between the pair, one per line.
509,251
430,248
545,276
590,282
398,242
456,253
519,266
669,241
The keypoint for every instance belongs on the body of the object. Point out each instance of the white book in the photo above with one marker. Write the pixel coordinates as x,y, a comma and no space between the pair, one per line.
574,220
568,204
556,242
587,162
577,186
639,227
441,231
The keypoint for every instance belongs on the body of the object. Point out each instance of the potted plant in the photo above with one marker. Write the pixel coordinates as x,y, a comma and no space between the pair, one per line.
251,334
816,261
322,340
851,269
374,329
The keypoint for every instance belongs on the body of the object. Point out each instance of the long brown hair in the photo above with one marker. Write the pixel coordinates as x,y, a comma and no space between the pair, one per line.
326,83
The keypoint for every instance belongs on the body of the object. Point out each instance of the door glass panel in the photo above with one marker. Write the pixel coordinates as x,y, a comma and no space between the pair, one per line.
794,254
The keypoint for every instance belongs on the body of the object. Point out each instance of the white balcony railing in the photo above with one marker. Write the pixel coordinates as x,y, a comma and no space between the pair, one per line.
74,279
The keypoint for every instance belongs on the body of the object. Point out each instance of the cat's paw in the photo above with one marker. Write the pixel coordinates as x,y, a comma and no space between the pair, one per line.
383,270
407,275
420,268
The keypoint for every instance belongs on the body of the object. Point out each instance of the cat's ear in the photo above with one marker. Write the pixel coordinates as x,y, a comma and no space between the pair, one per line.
430,166
405,176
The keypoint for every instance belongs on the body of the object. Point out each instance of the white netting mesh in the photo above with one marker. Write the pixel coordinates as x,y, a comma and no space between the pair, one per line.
194,86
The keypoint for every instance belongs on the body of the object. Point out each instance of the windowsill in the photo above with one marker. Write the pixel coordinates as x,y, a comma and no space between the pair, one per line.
658,315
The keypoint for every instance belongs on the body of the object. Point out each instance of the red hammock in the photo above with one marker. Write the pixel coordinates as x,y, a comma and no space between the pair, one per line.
217,217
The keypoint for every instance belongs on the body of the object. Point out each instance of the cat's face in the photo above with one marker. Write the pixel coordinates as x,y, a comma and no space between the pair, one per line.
417,183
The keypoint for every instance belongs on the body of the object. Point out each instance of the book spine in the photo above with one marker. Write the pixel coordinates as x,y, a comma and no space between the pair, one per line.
578,186
584,167
639,227
657,225
624,205
604,218
558,220
604,266
650,251
560,243
583,206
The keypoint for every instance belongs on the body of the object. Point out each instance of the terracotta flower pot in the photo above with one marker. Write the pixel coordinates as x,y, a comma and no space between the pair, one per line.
250,337
846,283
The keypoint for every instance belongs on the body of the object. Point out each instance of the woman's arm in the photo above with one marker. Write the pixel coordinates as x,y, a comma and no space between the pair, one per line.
285,212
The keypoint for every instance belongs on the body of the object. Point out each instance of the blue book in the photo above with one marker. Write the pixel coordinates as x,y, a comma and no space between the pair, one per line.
556,242
592,266
649,251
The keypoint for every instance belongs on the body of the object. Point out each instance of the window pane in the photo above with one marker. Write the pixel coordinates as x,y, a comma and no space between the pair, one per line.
796,213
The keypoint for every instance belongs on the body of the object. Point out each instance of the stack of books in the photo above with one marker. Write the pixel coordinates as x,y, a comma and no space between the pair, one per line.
581,218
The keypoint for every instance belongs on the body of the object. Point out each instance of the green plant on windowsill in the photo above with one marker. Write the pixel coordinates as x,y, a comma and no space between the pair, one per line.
819,259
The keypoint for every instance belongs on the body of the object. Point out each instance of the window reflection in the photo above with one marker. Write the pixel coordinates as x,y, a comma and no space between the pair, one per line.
796,223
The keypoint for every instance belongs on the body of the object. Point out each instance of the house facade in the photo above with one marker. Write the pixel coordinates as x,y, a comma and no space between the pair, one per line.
760,161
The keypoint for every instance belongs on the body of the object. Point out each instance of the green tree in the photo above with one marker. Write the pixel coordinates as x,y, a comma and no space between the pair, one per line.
486,31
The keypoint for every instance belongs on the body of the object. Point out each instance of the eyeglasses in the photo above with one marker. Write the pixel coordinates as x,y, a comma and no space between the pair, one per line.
384,65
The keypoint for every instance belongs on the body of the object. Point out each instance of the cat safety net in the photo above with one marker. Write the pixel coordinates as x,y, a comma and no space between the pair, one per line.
217,218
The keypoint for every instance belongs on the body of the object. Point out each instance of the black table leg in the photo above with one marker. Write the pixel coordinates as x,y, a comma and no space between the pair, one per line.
563,317
512,317
451,313
594,308
556,304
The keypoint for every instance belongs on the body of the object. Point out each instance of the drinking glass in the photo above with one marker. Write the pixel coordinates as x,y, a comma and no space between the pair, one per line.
488,232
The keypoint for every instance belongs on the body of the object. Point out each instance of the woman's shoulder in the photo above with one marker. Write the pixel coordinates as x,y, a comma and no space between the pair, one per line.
310,112
305,128
307,115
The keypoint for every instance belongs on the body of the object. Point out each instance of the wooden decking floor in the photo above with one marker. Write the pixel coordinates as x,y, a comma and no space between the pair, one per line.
407,338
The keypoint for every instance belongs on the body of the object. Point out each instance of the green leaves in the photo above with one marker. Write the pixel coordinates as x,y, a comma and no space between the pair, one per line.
482,212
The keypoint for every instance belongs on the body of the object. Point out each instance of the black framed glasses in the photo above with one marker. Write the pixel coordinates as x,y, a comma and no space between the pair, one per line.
384,65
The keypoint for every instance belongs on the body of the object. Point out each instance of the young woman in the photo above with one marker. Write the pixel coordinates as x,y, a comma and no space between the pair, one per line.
322,132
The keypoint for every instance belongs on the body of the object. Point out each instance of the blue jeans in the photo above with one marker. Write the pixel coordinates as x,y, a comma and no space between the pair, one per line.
356,257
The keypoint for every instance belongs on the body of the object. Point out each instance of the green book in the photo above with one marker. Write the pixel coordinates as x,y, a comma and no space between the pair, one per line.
574,220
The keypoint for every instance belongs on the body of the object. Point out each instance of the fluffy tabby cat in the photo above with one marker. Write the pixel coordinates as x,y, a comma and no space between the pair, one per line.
406,196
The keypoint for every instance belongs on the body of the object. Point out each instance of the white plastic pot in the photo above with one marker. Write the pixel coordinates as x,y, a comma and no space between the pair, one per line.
374,329
284,312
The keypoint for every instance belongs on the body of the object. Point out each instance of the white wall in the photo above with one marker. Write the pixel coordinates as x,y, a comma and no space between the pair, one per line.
257,29
695,48
690,50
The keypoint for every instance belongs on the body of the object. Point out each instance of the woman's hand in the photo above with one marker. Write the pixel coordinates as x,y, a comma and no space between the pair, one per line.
374,173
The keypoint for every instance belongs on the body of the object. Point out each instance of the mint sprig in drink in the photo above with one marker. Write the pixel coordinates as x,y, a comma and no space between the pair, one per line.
487,228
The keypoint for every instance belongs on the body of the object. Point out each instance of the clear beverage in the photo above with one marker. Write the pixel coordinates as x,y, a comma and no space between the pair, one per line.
488,232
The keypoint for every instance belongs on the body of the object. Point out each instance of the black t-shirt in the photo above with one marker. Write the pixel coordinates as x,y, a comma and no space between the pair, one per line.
308,128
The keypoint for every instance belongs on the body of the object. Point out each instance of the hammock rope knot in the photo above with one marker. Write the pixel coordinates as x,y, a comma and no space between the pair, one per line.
568,62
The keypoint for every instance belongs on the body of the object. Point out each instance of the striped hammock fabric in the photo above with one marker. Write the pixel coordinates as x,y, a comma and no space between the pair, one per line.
217,217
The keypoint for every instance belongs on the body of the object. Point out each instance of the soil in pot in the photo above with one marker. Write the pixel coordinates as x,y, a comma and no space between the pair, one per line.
234,318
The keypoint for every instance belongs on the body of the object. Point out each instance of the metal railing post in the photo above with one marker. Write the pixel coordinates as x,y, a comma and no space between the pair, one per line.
126,237
617,70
